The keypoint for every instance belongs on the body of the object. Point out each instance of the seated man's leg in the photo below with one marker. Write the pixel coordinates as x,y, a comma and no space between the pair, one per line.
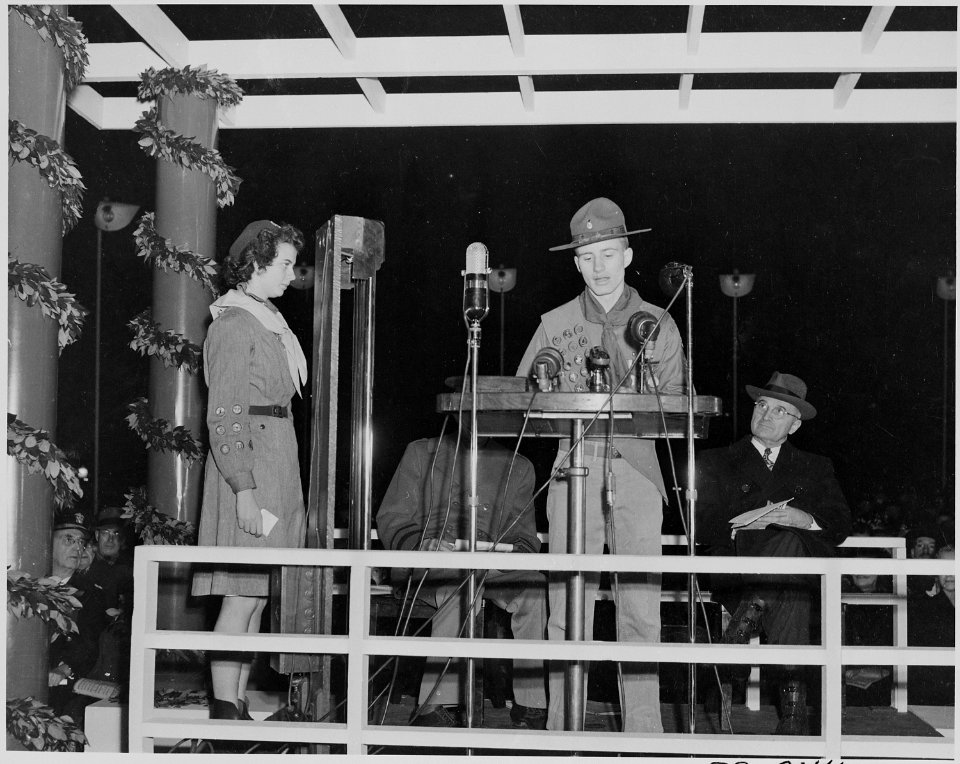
439,687
523,595
635,529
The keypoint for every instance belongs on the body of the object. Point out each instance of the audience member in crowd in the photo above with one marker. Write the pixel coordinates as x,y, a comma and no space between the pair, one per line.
868,625
921,545
931,623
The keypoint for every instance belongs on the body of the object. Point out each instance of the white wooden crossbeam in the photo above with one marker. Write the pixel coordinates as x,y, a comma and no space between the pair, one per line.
745,53
694,27
514,28
844,87
158,31
874,25
338,28
565,108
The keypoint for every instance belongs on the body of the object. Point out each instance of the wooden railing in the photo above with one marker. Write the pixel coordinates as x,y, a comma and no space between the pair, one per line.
356,734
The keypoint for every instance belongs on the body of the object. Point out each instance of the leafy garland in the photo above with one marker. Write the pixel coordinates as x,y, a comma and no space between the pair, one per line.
34,449
160,141
195,80
38,728
171,348
179,698
165,255
47,598
154,527
66,32
156,433
34,285
55,165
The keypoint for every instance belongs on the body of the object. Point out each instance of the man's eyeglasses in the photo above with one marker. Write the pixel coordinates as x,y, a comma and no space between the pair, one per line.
777,412
109,534
71,540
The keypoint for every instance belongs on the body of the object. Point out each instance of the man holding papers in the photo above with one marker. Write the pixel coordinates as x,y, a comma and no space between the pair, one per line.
762,497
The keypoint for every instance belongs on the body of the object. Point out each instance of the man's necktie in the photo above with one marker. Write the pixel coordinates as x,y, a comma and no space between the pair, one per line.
766,459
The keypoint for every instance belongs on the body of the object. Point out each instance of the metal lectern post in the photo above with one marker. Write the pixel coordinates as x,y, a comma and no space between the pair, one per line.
576,521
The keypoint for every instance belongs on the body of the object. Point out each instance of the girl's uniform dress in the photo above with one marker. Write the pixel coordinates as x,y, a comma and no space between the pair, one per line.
251,359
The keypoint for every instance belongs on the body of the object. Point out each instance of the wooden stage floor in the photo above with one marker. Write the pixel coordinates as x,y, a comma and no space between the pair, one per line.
872,721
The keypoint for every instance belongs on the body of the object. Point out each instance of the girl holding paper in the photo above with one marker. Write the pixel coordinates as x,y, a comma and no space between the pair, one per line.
253,365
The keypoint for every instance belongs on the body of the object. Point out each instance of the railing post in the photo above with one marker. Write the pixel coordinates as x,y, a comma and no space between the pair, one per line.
832,672
358,660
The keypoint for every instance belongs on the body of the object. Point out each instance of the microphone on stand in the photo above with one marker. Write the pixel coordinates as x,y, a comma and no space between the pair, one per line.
642,328
476,293
546,366
671,277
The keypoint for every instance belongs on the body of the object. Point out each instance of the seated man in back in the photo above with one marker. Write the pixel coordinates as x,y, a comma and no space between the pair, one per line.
797,510
426,507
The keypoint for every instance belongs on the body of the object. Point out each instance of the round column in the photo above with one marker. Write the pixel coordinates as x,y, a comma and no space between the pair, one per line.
37,100
186,215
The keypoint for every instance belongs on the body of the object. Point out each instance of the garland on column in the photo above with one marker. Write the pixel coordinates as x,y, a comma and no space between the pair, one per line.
35,286
66,32
171,348
154,527
158,434
38,728
55,166
35,451
166,256
49,599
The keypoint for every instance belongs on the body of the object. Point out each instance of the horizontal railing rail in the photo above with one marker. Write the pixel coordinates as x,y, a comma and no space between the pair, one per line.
148,723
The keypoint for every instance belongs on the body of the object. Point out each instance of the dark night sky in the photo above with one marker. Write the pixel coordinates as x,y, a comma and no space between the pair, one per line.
846,226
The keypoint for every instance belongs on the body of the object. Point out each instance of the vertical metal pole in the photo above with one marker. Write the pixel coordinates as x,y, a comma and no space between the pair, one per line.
733,398
96,380
503,324
361,457
946,393
473,501
576,522
691,504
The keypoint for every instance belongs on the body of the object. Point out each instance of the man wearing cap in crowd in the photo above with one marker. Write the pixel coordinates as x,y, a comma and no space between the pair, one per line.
109,571
809,519
628,519
70,656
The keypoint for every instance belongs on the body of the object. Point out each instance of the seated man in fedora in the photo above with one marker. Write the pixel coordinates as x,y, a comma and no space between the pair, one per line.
809,518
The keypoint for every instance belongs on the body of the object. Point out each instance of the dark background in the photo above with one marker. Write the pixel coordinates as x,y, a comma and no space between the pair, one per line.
847,228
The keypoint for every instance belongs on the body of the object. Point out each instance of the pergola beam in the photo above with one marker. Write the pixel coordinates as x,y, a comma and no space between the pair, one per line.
514,28
338,28
746,53
158,31
874,25
565,108
694,27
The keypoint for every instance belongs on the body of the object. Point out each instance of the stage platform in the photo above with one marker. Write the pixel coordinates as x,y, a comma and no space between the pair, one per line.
604,717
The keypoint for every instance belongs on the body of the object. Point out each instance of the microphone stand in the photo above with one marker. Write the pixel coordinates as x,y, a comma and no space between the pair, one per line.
473,500
691,503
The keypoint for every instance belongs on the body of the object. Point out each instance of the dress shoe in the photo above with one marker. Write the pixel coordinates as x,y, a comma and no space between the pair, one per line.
434,716
223,709
243,707
526,718
793,709
745,624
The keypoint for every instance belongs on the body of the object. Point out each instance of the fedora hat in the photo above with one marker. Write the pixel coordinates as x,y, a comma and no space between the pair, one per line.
597,220
785,387
249,234
111,517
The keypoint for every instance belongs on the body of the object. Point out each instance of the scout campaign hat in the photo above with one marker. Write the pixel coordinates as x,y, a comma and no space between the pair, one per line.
597,220
785,387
